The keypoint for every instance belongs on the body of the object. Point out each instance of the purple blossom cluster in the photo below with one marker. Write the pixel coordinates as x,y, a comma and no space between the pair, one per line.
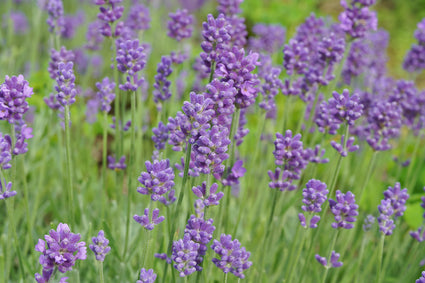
162,85
5,190
149,222
415,58
157,180
106,94
231,257
100,246
113,164
61,249
180,25
314,195
147,276
66,90
357,19
55,19
392,206
131,59
333,261
344,209
138,18
268,38
343,148
110,12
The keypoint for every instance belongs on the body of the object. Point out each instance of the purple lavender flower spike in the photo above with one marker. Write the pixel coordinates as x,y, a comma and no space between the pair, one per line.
162,85
105,94
100,246
213,198
234,174
63,249
6,192
237,31
144,220
231,256
295,57
349,146
418,235
385,219
5,151
160,136
119,165
13,94
169,199
368,222
66,84
179,129
131,59
181,25
280,179
398,198
421,279
55,20
23,133
158,180
357,20
147,276
108,15
71,23
314,195
210,150
93,36
235,66
269,38
185,253
138,18
344,208
316,155
56,57
229,7
216,37
415,59
333,262
200,232
19,22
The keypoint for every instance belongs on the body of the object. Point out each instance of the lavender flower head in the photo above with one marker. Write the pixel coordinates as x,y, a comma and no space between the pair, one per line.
158,180
421,279
138,18
184,255
119,165
342,148
13,94
149,223
56,57
100,246
55,20
160,136
162,90
6,192
344,208
212,198
180,25
357,20
368,222
398,198
333,260
109,15
385,219
314,195
269,38
229,7
201,232
231,256
106,94
131,59
60,250
19,22
147,276
66,91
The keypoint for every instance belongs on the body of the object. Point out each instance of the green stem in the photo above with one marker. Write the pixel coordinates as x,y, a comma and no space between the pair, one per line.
207,194
212,71
225,277
103,189
300,246
380,256
370,169
131,168
71,210
185,176
101,278
360,259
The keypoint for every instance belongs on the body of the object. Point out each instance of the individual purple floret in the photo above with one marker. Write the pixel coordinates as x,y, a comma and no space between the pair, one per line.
344,208
398,198
147,276
231,256
106,93
212,198
131,59
184,255
6,192
144,220
162,85
216,37
368,222
160,136
119,165
235,66
201,232
357,20
234,174
385,218
348,147
229,7
341,108
181,25
55,20
13,94
421,279
333,261
210,150
158,180
138,17
60,250
314,195
65,87
100,246
268,38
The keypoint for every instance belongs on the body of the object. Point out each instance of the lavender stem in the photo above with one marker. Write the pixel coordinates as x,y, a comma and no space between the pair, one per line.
69,165
380,256
330,253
